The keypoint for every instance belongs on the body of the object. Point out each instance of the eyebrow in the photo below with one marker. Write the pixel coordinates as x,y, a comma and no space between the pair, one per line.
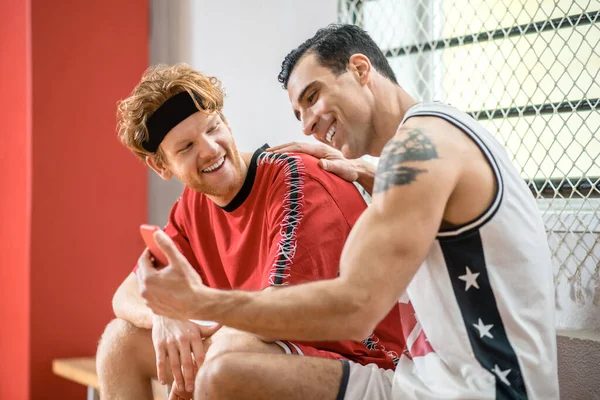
310,86
182,142
178,146
210,123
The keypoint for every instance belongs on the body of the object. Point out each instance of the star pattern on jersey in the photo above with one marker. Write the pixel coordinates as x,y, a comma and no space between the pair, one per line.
501,374
484,330
470,278
473,290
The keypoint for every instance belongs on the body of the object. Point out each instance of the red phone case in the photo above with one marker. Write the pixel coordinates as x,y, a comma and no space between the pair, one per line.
147,232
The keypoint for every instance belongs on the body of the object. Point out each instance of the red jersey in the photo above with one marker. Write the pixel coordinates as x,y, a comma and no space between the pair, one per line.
286,226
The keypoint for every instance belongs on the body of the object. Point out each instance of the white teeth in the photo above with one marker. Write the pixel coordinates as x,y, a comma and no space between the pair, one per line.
215,165
330,134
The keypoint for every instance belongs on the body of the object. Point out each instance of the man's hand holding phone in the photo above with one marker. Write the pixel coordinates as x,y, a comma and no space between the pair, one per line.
171,293
175,290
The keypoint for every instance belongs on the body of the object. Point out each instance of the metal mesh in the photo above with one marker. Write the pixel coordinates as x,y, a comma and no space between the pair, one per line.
529,72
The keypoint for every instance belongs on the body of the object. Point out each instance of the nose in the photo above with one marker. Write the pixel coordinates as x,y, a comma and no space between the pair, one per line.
309,121
208,148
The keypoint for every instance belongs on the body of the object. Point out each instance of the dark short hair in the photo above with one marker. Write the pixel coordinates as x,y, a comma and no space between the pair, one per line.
333,46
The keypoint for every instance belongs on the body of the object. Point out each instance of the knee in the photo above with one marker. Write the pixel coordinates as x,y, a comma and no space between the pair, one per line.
227,340
217,377
118,340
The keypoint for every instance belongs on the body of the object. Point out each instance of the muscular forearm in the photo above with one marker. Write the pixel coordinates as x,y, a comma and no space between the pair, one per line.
325,310
375,271
366,174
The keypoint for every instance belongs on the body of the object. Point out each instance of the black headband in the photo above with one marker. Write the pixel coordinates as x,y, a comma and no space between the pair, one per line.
167,116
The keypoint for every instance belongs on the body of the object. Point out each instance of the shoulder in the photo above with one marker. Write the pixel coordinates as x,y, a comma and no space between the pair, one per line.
424,143
304,167
280,163
287,169
433,131
317,189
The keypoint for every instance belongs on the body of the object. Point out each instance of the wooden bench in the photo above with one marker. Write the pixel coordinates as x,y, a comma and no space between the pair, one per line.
83,371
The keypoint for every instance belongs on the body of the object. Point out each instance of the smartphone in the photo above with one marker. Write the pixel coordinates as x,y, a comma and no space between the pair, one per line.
147,231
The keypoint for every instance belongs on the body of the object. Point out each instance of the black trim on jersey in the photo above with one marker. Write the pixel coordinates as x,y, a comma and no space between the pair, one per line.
344,380
487,153
244,192
478,307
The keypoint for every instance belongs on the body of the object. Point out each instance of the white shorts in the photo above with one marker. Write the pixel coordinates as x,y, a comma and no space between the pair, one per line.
368,382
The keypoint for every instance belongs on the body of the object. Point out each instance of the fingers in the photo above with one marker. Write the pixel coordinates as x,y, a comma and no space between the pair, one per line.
177,394
342,168
324,164
199,352
146,274
187,366
145,266
317,150
166,244
177,261
161,364
175,342
175,364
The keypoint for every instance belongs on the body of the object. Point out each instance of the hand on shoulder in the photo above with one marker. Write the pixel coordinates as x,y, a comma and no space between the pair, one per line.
330,159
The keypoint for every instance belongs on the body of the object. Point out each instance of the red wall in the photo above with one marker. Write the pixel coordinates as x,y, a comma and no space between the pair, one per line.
15,138
86,194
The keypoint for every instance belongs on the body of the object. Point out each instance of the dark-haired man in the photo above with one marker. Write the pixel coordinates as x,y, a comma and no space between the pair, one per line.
453,235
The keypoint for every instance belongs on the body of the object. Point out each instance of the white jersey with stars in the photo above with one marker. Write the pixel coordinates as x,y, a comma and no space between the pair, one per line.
478,317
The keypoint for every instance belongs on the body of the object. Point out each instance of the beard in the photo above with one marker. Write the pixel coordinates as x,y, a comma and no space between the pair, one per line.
224,189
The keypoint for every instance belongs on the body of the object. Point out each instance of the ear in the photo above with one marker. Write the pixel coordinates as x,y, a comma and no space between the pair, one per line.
360,66
159,167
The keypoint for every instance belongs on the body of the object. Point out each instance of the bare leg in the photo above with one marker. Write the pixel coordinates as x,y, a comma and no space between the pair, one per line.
268,376
228,340
125,362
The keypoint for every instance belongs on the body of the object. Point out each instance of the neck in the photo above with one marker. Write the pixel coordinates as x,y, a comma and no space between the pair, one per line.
391,104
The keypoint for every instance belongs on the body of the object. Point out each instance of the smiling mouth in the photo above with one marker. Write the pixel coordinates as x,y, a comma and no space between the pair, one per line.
330,134
215,166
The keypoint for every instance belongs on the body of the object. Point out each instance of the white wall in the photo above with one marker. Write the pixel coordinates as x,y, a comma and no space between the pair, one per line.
242,43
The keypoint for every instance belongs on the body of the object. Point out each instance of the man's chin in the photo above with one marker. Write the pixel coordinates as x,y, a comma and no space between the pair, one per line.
347,152
353,151
222,191
212,191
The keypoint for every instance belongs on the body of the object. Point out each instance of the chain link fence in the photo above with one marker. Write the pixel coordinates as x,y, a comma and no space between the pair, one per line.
529,71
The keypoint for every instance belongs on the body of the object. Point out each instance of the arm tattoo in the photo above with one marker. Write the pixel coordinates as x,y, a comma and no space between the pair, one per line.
391,172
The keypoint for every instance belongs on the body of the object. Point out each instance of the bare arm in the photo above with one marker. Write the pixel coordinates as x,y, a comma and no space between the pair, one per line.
415,178
129,305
